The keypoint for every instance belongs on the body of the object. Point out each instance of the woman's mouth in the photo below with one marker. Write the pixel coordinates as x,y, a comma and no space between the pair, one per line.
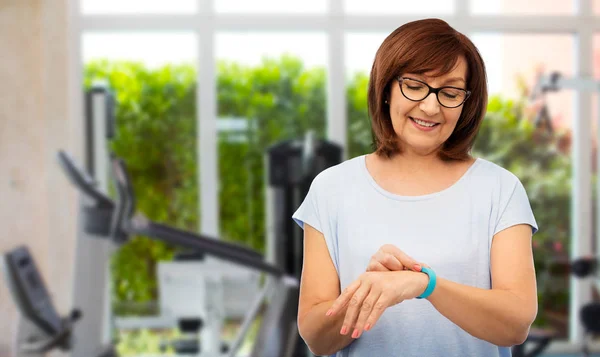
423,124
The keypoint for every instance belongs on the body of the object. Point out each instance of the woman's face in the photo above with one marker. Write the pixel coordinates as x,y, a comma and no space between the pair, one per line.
424,139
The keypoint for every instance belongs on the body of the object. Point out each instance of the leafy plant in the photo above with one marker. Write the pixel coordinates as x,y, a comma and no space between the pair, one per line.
156,135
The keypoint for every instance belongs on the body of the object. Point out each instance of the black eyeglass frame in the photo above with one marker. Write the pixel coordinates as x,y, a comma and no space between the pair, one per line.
432,90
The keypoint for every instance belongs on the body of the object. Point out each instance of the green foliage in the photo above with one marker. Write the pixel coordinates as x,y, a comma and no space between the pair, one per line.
510,140
133,343
146,341
359,135
156,135
277,100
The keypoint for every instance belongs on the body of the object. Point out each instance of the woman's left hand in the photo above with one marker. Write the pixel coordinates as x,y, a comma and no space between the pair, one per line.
372,293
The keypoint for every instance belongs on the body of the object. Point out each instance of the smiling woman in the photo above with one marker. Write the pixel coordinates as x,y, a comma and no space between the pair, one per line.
419,92
443,60
378,276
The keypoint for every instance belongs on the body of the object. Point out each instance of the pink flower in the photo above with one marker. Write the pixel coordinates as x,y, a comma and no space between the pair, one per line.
558,247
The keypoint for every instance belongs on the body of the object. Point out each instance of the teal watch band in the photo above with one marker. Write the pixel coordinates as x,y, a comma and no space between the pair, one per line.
431,284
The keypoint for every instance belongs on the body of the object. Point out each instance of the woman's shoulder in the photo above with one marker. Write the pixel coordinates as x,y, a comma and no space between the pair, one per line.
340,174
493,173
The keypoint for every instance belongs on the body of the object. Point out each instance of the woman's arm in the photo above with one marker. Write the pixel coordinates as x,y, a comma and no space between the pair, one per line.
319,288
504,314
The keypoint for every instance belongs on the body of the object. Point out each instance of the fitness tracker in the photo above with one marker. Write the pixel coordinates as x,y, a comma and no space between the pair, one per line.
431,284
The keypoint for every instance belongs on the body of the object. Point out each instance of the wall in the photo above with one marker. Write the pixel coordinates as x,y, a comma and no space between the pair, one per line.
37,206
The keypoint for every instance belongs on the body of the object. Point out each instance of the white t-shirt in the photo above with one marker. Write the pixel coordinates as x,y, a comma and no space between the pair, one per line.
450,230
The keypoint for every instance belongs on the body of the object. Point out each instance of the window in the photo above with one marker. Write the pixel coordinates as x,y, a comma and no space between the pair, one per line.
271,6
516,7
153,78
154,50
271,87
105,7
360,54
539,157
380,7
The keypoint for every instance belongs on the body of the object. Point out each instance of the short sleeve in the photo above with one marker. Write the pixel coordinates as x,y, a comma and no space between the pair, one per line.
308,212
318,211
515,209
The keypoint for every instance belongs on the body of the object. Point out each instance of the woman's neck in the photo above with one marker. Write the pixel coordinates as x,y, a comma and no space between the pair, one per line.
413,163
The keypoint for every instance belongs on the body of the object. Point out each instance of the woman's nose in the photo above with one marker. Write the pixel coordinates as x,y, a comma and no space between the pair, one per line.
430,105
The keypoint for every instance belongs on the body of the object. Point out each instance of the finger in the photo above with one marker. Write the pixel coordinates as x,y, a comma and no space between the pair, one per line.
404,259
354,307
378,308
418,266
344,297
375,265
365,311
390,261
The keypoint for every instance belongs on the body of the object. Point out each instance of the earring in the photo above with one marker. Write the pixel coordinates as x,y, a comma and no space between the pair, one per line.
386,101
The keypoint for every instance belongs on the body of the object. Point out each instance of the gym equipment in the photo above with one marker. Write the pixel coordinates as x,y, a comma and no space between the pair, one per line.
292,166
589,314
538,338
192,297
92,256
584,267
277,337
40,328
587,86
205,291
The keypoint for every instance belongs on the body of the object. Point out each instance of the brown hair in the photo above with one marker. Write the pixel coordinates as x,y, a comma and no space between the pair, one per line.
420,47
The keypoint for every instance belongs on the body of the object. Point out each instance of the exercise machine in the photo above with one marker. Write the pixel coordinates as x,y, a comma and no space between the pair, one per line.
118,220
585,86
292,166
589,314
40,327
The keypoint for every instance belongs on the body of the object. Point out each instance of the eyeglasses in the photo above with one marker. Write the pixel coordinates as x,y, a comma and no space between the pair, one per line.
416,90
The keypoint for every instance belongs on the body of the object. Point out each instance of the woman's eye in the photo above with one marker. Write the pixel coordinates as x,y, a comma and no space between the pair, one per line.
450,94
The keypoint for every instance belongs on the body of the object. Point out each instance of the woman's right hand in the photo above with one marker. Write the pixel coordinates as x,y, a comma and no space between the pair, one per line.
391,258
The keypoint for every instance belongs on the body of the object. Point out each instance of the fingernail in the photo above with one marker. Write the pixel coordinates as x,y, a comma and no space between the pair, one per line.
343,330
328,313
355,333
367,327
417,267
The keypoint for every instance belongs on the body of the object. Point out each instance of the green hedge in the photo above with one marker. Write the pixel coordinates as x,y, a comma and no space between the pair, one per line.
277,100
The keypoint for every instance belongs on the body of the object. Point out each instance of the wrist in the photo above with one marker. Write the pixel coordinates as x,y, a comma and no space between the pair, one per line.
421,281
